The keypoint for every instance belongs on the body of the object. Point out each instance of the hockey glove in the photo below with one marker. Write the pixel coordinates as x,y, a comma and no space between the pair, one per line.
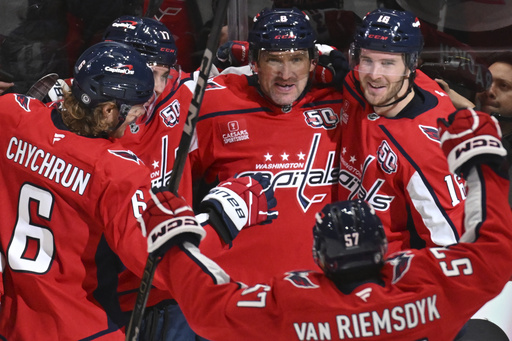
332,66
469,138
168,221
232,53
239,202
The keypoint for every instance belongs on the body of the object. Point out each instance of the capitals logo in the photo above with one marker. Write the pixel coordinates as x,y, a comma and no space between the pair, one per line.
23,101
301,175
430,132
127,155
300,279
401,263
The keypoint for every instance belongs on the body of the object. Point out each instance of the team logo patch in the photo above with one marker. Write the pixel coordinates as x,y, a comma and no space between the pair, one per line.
171,114
211,85
387,158
322,118
401,263
234,131
127,155
300,279
23,101
430,132
373,117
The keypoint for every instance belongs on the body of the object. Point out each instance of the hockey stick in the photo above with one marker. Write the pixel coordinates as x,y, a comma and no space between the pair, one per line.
153,7
181,156
41,88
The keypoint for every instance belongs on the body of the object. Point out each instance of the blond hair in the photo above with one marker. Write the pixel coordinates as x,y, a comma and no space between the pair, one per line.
82,120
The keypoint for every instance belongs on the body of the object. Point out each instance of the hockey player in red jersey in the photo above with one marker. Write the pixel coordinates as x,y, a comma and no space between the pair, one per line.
155,137
425,294
67,193
390,154
275,123
72,198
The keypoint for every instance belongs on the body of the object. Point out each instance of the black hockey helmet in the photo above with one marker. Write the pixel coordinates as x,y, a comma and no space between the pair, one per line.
148,36
281,29
389,30
112,71
348,237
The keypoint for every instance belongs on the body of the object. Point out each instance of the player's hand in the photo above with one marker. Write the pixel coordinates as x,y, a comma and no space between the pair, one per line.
4,86
332,66
168,220
469,138
232,53
239,202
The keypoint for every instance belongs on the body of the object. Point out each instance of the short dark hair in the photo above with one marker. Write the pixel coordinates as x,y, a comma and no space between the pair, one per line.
500,57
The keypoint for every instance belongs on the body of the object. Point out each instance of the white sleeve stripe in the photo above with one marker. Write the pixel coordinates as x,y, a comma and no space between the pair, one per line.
218,275
441,231
474,208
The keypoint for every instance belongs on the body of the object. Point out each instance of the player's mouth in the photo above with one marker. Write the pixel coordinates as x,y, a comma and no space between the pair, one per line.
375,88
284,87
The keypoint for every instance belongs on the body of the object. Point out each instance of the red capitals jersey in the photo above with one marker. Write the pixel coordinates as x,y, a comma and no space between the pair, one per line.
396,165
66,207
426,294
240,133
155,139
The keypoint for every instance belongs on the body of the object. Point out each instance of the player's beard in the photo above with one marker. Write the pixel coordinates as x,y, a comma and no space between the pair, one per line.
391,94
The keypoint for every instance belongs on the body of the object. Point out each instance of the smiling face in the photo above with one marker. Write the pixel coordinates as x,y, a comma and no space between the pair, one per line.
384,78
283,75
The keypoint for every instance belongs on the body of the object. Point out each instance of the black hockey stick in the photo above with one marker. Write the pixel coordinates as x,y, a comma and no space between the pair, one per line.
153,7
181,155
41,88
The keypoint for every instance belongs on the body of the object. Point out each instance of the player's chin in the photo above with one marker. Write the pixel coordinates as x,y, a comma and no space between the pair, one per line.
284,97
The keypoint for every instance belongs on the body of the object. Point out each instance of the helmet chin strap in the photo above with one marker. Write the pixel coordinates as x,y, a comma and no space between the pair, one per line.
124,109
409,89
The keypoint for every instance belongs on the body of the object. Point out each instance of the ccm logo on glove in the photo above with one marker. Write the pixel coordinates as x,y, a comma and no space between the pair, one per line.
166,230
477,142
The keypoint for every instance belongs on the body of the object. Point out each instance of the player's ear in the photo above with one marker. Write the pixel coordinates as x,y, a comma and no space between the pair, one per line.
110,112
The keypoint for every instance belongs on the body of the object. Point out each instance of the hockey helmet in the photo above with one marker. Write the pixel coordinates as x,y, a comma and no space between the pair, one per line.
280,30
348,237
112,71
390,30
148,36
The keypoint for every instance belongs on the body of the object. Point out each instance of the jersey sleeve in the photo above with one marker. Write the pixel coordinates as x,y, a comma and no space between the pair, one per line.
481,259
123,201
215,306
